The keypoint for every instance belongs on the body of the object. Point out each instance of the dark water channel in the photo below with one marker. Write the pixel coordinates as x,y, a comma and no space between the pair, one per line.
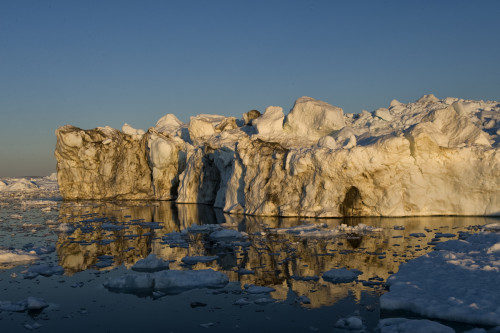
95,241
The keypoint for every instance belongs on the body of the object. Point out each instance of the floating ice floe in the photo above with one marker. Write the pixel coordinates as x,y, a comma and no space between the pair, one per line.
353,323
322,230
150,264
228,235
175,239
456,282
167,281
12,256
193,260
403,325
44,270
30,303
492,227
341,275
259,289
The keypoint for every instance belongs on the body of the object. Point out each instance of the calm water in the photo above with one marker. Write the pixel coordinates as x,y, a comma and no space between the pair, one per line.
94,241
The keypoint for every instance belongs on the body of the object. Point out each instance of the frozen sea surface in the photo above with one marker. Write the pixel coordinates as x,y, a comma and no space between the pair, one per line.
190,268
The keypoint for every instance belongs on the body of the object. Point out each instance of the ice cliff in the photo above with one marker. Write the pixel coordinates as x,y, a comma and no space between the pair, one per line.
430,157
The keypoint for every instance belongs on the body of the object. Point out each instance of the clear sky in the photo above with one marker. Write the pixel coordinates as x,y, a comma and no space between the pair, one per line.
97,63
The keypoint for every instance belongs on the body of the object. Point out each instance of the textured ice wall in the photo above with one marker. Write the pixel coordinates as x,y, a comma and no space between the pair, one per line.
430,157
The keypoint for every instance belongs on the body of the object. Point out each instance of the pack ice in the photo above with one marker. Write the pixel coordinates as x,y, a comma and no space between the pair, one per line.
429,157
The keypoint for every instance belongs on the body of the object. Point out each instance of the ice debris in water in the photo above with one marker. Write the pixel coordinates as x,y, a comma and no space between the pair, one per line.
44,270
242,301
322,230
403,325
30,303
228,235
341,275
192,260
259,289
350,323
11,256
463,286
175,239
150,264
167,281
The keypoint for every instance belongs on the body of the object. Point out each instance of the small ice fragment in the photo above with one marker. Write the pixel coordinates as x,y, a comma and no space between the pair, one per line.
150,264
259,290
228,235
34,303
417,234
341,275
241,302
395,325
303,299
192,260
207,325
197,304
350,323
263,301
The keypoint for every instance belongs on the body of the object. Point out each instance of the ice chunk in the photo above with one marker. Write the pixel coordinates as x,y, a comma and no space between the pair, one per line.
30,303
177,281
403,325
259,290
142,283
44,270
11,256
192,260
313,118
350,323
167,281
341,275
242,301
168,124
228,235
127,129
271,122
150,264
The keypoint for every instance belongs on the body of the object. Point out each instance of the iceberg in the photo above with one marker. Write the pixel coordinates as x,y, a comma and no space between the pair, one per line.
429,157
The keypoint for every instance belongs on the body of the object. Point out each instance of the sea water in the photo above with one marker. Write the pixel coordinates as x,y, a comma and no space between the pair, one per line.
91,242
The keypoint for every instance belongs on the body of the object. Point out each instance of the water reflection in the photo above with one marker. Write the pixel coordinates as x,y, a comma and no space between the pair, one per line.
103,235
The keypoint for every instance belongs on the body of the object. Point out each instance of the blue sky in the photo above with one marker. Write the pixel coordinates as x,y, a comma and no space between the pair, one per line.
98,63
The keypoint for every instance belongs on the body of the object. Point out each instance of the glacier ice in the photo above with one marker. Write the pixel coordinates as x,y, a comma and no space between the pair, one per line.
429,157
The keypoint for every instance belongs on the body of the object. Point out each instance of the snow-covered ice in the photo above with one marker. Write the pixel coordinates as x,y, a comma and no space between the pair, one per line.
456,282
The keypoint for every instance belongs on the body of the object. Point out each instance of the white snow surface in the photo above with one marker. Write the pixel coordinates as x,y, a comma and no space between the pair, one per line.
429,157
456,282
